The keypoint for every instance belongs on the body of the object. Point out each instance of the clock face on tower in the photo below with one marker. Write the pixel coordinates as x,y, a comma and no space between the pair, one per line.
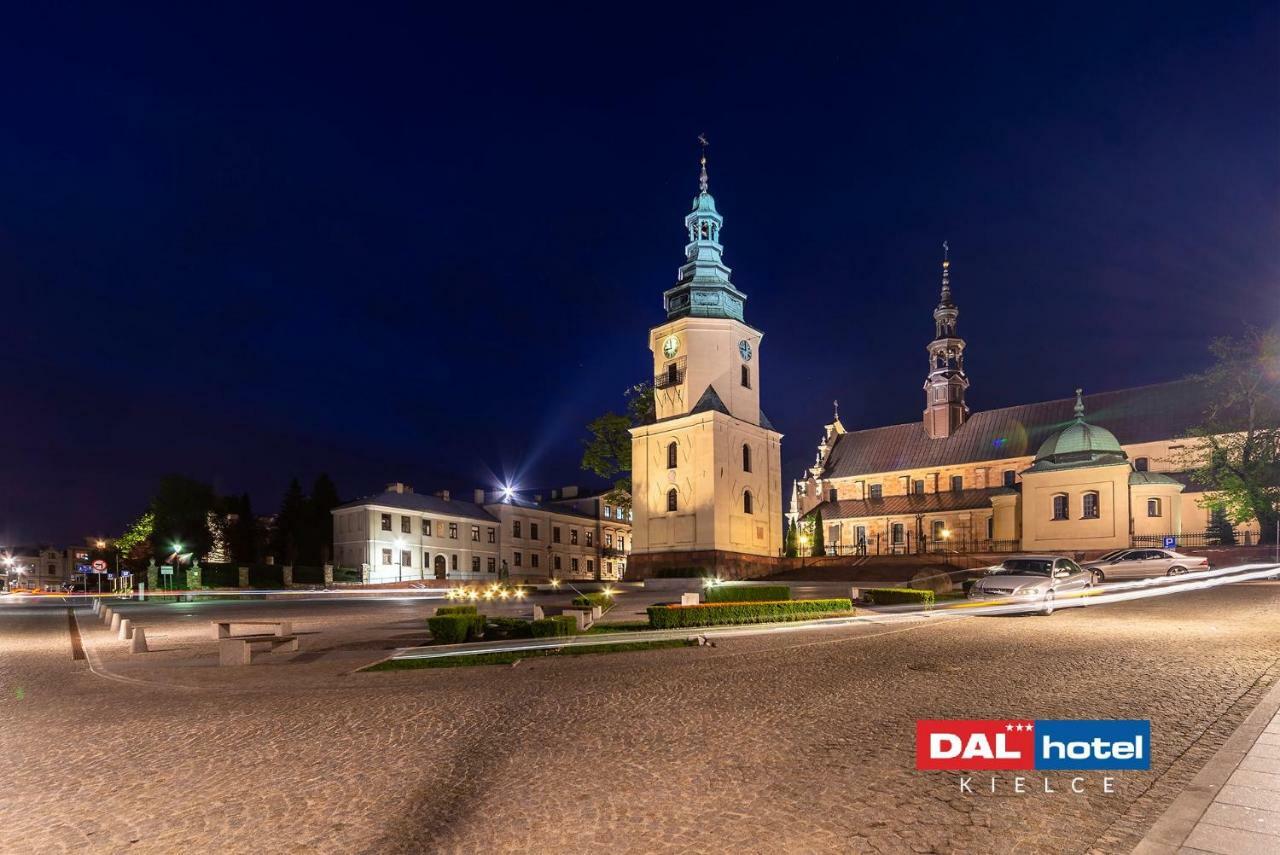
744,347
670,346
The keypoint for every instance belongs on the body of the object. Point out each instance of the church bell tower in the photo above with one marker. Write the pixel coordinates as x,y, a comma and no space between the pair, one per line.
944,388
706,474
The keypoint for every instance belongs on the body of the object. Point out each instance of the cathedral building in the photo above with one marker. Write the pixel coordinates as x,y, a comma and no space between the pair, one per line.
706,472
1088,472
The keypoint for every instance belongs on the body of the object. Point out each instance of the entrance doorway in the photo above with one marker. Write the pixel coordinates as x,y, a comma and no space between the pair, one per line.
440,567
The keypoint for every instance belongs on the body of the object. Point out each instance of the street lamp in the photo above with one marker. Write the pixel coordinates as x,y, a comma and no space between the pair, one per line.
399,557
177,562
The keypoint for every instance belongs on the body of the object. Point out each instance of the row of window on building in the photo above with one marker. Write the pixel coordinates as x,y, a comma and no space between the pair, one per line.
673,457
1089,507
589,535
429,526
673,501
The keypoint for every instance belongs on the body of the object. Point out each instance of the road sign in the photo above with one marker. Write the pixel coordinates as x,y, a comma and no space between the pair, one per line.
1170,541
99,565
166,570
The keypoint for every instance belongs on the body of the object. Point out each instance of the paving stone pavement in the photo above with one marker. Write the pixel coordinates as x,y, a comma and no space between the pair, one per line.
797,743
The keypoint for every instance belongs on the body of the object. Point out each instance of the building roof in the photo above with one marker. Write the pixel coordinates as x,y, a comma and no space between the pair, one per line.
423,503
914,503
559,506
1158,478
1141,414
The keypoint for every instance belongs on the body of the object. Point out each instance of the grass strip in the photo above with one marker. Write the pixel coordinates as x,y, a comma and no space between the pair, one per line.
511,657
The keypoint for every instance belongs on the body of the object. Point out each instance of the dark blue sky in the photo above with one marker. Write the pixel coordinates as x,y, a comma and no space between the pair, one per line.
248,243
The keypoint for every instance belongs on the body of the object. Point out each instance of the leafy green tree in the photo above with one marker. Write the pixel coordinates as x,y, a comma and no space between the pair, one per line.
819,538
290,529
1238,456
608,450
134,545
318,546
181,510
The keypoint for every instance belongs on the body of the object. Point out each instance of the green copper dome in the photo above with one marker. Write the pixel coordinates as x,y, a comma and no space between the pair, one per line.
1079,444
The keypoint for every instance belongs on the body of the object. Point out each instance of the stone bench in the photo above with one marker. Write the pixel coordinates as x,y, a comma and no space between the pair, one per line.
238,649
222,628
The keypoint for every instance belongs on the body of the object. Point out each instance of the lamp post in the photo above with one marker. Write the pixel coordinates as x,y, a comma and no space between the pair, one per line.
177,562
399,557
8,564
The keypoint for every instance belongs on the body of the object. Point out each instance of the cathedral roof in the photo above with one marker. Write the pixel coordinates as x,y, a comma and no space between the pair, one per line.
1141,414
913,503
1079,445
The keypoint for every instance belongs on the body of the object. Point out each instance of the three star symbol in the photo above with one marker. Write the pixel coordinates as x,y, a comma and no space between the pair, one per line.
1019,727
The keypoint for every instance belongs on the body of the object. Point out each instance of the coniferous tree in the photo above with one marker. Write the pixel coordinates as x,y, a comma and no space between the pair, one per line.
819,539
791,545
242,532
289,532
319,540
181,510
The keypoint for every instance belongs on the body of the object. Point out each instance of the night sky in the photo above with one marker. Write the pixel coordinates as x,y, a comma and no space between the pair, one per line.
247,244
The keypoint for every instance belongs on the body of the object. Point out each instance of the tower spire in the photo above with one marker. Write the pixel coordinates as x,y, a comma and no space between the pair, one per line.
945,409
702,176
946,275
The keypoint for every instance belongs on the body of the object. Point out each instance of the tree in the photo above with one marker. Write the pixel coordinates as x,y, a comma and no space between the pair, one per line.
791,544
290,526
319,535
1238,456
134,546
608,451
819,539
181,511
242,530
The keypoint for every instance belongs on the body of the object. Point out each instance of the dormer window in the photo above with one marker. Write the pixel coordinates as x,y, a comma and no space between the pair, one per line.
1141,464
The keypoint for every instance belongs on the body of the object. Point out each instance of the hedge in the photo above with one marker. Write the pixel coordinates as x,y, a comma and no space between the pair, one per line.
604,601
458,610
266,575
746,593
508,627
308,575
452,629
346,574
712,614
895,596
554,626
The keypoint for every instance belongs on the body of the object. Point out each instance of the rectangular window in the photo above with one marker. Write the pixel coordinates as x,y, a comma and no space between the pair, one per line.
957,482
860,535
386,557
591,538
515,528
533,559
746,377
533,531
517,559
426,527
608,540
493,534
406,558
555,562
453,533
1153,507
991,527
475,533
877,491
899,533
573,565
475,563
1090,506
386,522
1008,477
917,487
1060,507
622,542
555,534
493,565
591,566
573,536
406,525
608,512
453,561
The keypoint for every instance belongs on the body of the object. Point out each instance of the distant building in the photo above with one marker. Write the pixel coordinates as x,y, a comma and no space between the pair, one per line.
41,567
406,536
1033,477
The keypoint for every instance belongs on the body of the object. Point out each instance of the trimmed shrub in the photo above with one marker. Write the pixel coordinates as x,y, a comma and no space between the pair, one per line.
458,610
554,626
895,596
714,614
454,629
966,585
346,574
508,627
604,601
746,593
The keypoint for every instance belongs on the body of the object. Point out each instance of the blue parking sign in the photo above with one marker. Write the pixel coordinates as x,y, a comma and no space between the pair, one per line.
1170,541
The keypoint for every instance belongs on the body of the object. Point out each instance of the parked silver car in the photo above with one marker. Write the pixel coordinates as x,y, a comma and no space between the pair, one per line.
1143,564
1040,580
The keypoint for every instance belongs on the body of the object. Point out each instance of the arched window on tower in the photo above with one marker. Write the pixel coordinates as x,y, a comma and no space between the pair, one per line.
746,457
672,499
746,502
672,455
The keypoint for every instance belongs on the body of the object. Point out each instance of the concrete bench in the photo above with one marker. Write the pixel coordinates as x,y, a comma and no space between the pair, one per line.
222,628
238,649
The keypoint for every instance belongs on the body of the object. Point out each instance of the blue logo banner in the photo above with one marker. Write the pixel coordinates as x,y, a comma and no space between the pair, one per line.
1093,744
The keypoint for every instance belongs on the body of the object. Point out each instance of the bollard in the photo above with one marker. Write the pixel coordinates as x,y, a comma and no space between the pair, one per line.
97,604
126,630
115,621
537,613
139,644
690,599
105,614
855,594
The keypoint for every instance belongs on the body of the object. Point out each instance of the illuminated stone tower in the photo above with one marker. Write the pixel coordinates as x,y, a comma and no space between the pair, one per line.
944,388
706,474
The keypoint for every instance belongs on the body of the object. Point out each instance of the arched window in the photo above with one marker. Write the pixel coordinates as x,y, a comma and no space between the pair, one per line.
746,457
672,453
746,502
1141,464
1060,506
1090,506
671,499
1153,507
